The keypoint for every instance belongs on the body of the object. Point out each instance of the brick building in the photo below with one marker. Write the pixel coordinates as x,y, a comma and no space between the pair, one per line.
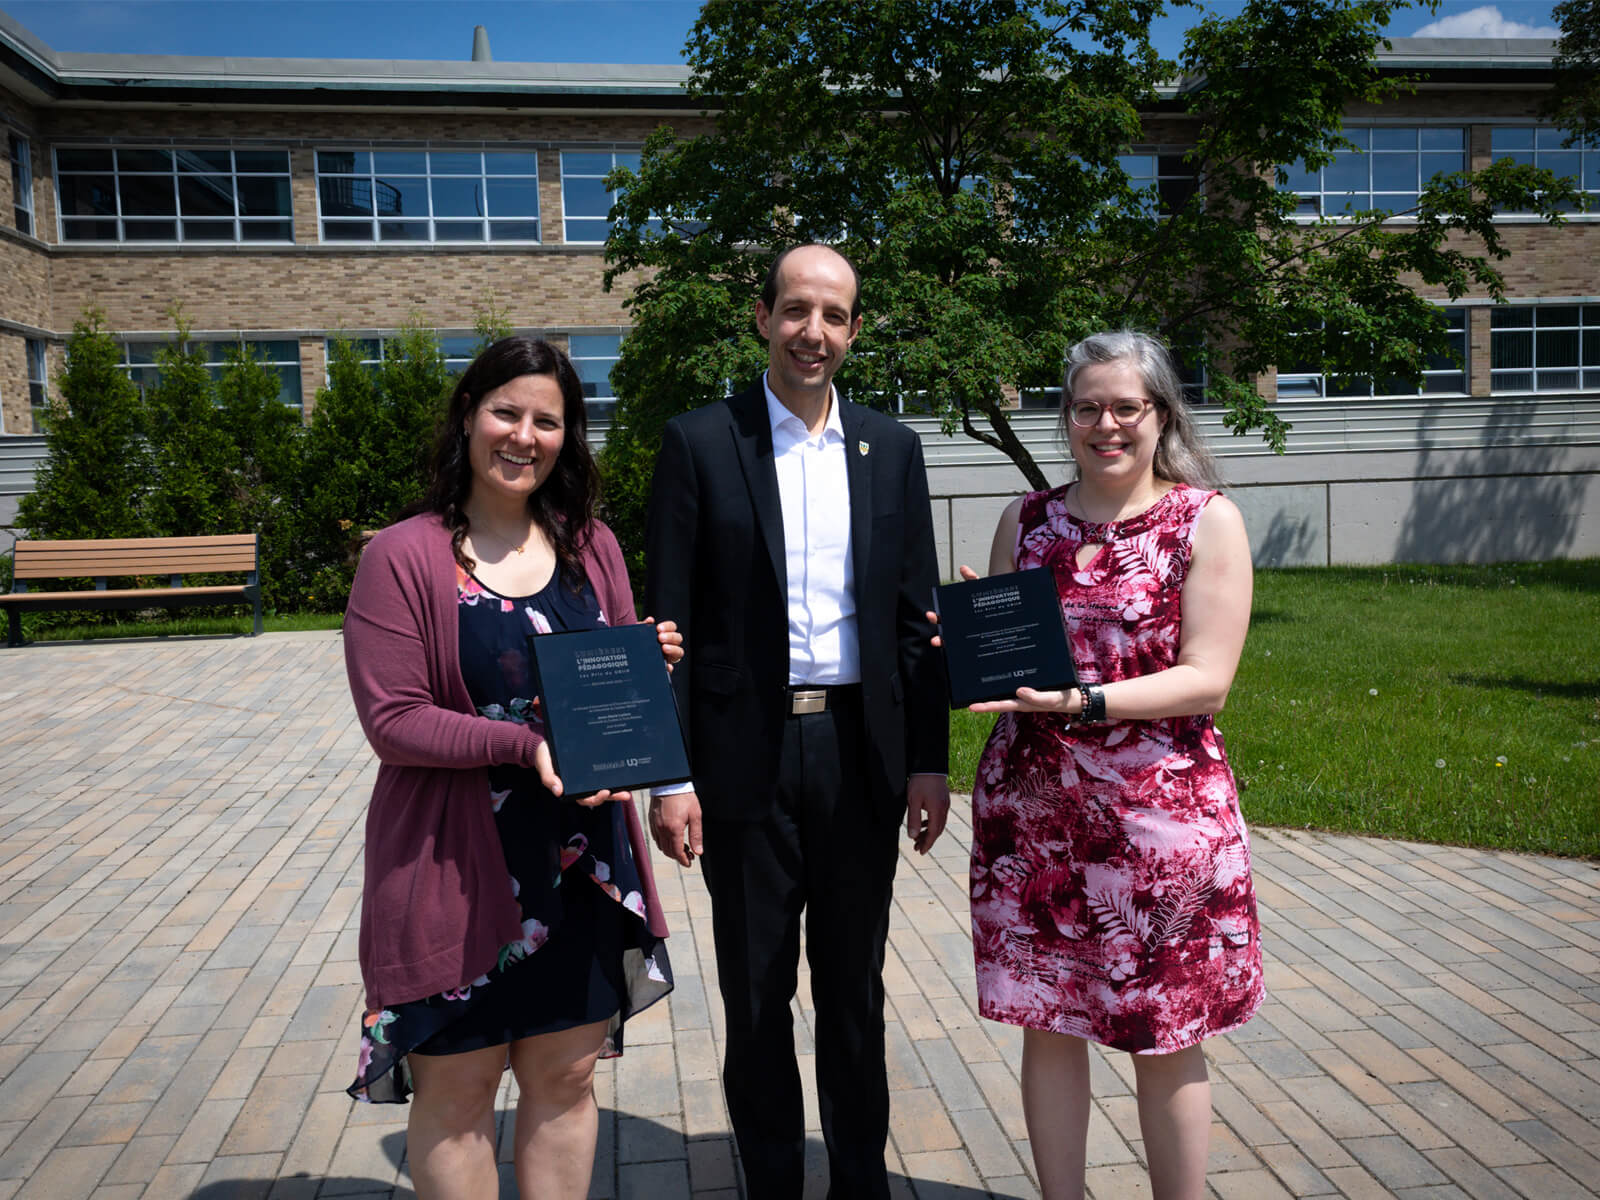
284,201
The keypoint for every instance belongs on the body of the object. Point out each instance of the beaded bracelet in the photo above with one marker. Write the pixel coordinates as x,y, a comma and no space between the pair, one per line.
1094,704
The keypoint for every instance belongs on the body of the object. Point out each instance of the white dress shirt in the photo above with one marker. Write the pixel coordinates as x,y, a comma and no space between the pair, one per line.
814,489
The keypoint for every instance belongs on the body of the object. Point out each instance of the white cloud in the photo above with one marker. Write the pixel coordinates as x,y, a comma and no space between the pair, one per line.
1484,22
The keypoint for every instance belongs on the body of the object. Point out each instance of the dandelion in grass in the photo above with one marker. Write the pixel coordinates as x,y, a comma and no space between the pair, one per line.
1500,760
1372,691
1439,762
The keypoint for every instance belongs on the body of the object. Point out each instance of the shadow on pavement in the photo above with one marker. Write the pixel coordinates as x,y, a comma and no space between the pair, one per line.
657,1178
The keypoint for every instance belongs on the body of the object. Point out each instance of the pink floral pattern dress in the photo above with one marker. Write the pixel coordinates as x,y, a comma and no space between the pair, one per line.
1111,892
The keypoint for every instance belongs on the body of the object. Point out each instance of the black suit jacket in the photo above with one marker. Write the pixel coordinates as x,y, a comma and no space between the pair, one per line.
716,565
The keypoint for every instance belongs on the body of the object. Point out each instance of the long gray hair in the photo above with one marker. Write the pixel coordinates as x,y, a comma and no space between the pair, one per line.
1181,454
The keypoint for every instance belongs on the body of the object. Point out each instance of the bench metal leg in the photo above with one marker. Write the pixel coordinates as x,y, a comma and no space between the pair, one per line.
255,606
13,628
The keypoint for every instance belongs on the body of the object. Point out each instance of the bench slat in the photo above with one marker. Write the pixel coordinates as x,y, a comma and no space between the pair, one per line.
152,543
61,566
100,559
154,595
78,557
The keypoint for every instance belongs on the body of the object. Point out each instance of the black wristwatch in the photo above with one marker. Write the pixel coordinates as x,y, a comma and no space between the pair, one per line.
1094,704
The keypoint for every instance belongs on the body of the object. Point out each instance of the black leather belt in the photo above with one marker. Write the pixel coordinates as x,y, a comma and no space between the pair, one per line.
815,698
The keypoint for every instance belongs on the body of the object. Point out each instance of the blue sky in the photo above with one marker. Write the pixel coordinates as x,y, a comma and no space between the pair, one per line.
638,31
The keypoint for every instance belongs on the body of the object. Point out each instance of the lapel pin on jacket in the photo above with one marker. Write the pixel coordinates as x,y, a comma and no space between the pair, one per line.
862,448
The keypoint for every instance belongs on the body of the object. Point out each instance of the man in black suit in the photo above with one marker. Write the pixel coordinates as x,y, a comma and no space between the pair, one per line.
790,537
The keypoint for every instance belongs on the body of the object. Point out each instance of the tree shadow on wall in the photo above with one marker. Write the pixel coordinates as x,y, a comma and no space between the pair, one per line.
1499,513
1288,542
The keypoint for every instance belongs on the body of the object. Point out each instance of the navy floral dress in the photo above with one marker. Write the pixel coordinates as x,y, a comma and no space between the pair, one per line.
586,953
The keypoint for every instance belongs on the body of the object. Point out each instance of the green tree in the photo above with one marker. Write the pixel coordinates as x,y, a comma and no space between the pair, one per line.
191,457
366,450
264,439
96,469
967,157
490,322
1574,102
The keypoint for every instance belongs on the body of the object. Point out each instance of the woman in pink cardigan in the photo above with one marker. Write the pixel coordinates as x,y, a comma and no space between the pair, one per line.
499,923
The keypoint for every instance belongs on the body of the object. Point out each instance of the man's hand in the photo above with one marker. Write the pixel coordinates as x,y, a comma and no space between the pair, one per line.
927,809
675,826
670,638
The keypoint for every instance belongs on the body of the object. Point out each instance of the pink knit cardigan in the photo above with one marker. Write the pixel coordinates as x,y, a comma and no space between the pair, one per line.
435,907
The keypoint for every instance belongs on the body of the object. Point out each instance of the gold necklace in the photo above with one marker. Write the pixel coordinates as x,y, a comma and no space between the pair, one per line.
519,549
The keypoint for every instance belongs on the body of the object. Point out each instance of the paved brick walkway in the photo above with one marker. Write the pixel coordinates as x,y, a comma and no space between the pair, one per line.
180,872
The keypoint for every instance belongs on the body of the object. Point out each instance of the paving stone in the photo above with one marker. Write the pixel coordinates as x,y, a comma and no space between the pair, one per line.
271,1115
68,1172
179,986
1541,1181
1489,1142
919,1122
1393,1162
711,1165
34,1141
653,1181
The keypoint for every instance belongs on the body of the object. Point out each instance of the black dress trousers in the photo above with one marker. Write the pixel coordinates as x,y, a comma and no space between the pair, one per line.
826,850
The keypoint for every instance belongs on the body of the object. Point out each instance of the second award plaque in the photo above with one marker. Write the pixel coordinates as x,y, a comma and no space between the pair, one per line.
1002,633
608,709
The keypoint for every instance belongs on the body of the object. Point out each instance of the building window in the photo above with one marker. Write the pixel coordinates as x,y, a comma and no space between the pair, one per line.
1544,348
458,351
38,381
21,184
428,195
160,194
1166,179
142,363
1541,147
1386,171
585,200
594,355
1193,378
1443,375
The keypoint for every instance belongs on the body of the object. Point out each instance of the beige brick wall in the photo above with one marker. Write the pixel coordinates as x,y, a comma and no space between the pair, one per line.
1442,102
355,128
15,415
25,271
312,289
325,289
1478,351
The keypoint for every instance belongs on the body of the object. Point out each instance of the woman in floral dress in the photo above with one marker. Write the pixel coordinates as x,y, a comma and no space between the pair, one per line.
1111,893
500,924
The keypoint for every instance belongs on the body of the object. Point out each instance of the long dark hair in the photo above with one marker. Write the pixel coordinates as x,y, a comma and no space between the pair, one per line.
563,508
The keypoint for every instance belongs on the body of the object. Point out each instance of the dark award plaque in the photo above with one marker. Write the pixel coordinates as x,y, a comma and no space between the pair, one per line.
1002,633
608,709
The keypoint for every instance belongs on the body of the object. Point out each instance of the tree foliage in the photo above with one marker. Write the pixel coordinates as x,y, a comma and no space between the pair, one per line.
191,457
966,156
202,454
1574,103
264,438
96,469
367,449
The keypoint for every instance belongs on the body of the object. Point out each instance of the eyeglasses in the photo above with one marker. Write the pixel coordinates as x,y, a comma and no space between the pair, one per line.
1085,414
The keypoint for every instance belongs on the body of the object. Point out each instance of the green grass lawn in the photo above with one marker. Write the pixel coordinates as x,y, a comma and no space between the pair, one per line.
1442,704
135,624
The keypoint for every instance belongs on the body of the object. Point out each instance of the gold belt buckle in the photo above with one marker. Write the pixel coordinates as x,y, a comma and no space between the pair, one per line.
808,700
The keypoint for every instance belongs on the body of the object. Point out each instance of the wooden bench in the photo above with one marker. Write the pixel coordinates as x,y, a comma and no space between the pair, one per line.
101,559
